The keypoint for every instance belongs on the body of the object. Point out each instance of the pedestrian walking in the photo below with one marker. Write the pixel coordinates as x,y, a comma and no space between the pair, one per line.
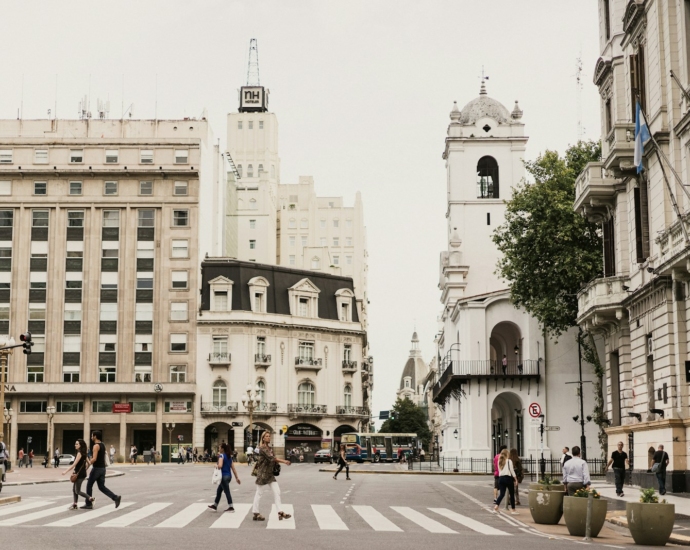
496,485
227,468
180,455
56,458
421,455
20,457
619,459
195,455
46,459
342,463
507,480
153,456
3,457
566,456
97,474
265,471
31,458
80,467
112,455
575,473
133,454
250,454
661,460
519,474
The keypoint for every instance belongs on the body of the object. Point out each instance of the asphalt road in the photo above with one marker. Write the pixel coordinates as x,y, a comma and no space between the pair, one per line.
165,505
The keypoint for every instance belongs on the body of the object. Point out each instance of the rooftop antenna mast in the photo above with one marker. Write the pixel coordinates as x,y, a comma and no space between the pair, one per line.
253,65
578,84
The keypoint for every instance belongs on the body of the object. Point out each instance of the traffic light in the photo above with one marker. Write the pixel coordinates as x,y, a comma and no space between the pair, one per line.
27,345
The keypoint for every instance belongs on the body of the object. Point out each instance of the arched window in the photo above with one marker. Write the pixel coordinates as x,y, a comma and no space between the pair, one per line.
239,169
306,394
292,224
315,263
252,204
261,169
250,171
347,396
261,391
487,178
220,394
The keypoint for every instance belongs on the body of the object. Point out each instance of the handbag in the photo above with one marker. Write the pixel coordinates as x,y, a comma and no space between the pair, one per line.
73,478
217,476
276,469
655,467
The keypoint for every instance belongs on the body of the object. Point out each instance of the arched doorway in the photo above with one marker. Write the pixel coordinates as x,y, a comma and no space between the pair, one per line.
339,431
507,422
303,440
506,342
217,433
257,429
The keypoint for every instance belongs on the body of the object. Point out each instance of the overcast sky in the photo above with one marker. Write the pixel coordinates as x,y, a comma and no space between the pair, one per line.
362,91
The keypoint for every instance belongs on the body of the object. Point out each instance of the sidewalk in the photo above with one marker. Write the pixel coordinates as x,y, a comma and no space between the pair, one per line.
632,494
37,475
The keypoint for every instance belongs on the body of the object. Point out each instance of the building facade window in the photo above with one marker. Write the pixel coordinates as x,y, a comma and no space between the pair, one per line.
306,394
110,188
220,394
40,156
180,248
145,218
146,156
40,188
75,187
180,280
347,396
181,156
178,374
487,178
178,342
112,156
76,156
181,188
146,188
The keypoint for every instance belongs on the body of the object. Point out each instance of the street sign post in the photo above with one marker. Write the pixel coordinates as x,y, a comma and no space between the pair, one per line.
534,410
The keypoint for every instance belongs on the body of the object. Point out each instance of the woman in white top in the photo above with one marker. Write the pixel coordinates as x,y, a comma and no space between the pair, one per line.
506,480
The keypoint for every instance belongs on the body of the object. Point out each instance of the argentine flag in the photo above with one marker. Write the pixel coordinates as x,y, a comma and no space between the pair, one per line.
642,136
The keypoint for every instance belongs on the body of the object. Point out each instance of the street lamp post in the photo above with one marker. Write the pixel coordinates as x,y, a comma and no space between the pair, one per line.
251,402
6,344
50,411
7,415
170,427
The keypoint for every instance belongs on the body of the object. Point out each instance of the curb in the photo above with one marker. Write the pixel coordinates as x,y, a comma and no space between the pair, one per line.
42,482
10,500
403,472
622,521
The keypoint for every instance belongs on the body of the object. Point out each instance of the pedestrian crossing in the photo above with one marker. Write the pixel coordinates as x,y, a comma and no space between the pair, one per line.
169,515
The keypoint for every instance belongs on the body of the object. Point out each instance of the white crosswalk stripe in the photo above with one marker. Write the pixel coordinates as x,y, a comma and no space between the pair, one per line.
82,516
186,516
12,509
376,520
423,521
327,518
232,520
26,518
275,523
470,523
136,515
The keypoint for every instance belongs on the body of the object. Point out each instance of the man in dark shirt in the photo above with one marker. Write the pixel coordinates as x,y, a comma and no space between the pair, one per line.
97,474
619,459
660,458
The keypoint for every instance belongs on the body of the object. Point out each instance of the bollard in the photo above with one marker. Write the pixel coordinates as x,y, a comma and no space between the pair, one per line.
588,524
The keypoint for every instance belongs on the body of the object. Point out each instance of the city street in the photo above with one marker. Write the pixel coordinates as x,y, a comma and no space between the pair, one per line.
166,505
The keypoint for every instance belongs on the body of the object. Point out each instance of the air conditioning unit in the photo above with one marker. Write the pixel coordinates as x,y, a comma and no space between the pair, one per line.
650,346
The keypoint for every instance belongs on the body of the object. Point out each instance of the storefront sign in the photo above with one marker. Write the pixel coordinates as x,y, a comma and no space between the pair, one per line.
122,407
236,424
325,443
178,406
10,388
303,430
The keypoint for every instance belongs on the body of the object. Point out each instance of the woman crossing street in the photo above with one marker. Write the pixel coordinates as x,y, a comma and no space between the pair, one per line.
227,469
265,477
80,467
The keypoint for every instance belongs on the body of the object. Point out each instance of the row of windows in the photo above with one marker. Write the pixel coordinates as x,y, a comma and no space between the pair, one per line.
306,348
250,170
179,311
304,223
111,218
322,242
306,393
180,188
316,262
112,156
97,406
250,125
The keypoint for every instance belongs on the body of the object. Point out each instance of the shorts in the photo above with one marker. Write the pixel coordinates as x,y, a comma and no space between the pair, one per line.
496,482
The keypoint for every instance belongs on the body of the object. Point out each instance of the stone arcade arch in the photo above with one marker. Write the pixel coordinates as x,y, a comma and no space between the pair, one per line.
507,423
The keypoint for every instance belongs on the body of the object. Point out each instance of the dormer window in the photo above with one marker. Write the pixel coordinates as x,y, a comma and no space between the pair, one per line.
258,290
221,294
304,299
343,298
303,310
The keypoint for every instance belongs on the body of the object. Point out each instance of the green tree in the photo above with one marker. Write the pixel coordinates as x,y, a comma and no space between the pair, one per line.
408,418
549,250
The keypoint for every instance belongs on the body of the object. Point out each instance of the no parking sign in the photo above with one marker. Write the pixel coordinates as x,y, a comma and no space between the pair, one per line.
534,410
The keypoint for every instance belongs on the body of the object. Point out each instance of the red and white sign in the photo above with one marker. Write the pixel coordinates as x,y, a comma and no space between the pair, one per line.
122,407
534,410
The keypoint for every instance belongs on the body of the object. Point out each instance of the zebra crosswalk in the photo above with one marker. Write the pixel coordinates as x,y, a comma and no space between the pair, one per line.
169,515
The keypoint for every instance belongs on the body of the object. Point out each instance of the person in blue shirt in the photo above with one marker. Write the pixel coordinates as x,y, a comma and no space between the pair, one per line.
227,469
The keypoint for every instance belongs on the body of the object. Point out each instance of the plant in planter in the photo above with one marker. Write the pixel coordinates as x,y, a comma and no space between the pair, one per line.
650,521
546,501
575,512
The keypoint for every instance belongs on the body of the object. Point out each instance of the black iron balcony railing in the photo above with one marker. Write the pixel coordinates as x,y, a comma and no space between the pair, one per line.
262,359
209,407
308,361
266,408
296,408
222,357
343,410
349,366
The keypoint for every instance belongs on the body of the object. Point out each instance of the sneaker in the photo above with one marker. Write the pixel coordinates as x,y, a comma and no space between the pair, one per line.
213,507
117,501
230,509
86,507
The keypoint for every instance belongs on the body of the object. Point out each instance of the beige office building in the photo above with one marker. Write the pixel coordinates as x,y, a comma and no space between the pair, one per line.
102,227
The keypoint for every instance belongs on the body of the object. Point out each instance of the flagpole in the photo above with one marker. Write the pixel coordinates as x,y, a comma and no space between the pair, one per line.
659,154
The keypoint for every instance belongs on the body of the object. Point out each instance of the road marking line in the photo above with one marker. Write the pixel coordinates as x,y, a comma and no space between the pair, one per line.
328,518
35,515
375,519
512,521
136,515
420,519
232,521
468,522
13,509
275,523
185,516
87,516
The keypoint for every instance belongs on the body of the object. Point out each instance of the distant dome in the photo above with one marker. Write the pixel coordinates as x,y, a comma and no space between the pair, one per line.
484,106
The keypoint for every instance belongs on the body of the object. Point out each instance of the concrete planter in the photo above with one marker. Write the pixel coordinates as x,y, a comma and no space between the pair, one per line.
546,507
650,524
575,515
540,487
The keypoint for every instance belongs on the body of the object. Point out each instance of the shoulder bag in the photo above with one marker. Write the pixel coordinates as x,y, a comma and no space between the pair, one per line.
73,478
276,469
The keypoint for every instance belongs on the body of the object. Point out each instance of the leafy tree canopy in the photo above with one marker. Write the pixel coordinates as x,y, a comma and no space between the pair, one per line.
548,249
409,418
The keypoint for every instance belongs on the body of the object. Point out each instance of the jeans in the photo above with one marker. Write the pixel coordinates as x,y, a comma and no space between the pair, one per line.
506,482
661,478
97,476
619,475
224,487
276,496
76,490
343,464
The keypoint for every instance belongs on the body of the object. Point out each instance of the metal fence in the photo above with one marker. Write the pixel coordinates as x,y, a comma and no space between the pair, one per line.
531,466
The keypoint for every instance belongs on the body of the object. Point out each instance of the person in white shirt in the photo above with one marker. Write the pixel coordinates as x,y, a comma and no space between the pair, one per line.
112,455
250,454
575,473
507,479
566,456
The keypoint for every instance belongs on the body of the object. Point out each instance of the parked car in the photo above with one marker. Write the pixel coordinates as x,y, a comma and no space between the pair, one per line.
66,460
324,455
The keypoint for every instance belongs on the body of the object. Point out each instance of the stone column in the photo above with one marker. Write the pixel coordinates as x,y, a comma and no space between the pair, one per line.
159,424
14,431
87,419
124,449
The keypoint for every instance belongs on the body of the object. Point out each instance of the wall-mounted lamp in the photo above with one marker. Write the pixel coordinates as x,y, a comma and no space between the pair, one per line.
589,418
576,417
650,270
455,433
516,349
636,415
657,411
505,434
628,135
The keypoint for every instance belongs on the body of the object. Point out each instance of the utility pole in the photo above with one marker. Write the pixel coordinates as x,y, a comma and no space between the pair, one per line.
581,417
